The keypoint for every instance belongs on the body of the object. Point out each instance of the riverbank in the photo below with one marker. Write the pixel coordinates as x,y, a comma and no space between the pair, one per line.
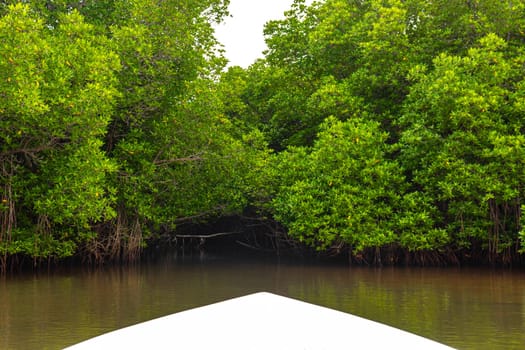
245,242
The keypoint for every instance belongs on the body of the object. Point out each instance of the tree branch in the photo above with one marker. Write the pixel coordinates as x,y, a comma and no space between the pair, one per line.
192,158
29,151
210,235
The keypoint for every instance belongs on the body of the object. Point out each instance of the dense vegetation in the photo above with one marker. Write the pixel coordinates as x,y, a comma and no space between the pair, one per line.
389,130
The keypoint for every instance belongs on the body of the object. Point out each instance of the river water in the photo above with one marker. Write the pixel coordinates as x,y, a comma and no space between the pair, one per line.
463,308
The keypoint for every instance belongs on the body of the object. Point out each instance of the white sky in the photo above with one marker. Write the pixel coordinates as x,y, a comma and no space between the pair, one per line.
242,34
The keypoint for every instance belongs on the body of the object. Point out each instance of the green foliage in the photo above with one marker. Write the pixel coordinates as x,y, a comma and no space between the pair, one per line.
344,188
111,124
444,81
394,123
463,142
179,155
59,91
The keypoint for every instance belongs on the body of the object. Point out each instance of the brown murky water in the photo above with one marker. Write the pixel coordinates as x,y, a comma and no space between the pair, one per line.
463,308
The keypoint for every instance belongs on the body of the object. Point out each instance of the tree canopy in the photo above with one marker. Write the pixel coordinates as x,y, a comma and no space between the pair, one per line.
112,126
440,81
387,127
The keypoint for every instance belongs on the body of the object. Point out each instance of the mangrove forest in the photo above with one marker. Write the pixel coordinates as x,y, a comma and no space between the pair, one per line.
381,131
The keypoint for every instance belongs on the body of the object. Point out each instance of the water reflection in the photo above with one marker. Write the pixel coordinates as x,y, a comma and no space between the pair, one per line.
464,308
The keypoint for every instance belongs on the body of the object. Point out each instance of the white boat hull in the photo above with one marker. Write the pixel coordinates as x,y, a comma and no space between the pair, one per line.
259,321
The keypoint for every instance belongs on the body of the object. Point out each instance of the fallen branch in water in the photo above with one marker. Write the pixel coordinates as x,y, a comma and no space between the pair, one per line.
209,236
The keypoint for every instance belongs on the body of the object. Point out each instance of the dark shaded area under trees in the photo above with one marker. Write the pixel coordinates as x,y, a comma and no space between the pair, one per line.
387,132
